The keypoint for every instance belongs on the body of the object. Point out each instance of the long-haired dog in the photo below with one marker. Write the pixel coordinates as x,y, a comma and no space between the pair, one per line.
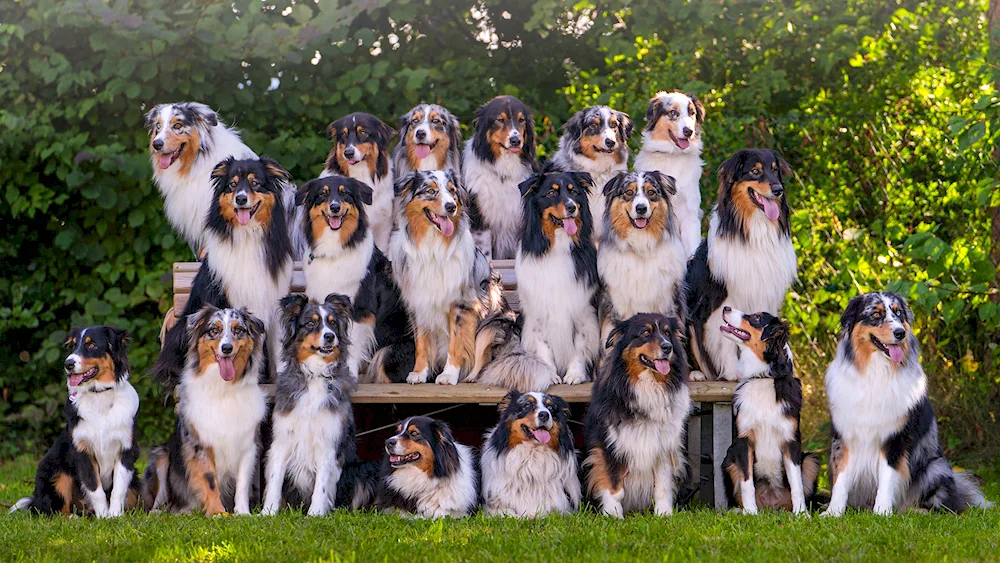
426,474
430,138
361,151
95,454
499,156
746,262
672,144
556,270
312,461
634,428
210,460
595,141
186,142
249,262
343,258
447,285
528,459
503,360
641,259
766,466
885,452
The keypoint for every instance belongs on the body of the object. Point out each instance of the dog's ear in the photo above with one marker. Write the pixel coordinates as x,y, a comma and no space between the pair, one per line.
404,123
363,190
531,184
664,183
291,308
384,132
331,130
275,171
654,111
254,324
855,307
616,334
405,183
559,403
71,337
194,110
196,321
729,169
573,128
221,169
625,126
446,460
507,400
151,116
783,166
302,194
341,304
454,135
615,186
584,180
776,332
530,149
453,179
118,343
699,110
907,312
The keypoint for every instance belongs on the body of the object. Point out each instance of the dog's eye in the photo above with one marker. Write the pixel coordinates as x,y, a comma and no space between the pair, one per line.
414,435
414,120
646,333
651,192
431,193
629,193
214,331
91,346
254,183
310,323
552,193
520,120
499,121
436,121
178,126
158,126
673,114
362,134
755,172
877,315
232,184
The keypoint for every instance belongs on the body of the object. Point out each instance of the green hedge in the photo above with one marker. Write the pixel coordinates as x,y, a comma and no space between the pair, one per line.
885,111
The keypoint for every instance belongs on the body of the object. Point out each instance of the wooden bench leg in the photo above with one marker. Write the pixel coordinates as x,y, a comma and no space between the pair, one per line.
722,438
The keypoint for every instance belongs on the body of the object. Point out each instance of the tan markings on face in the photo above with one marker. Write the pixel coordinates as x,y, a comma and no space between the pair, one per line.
462,335
621,221
63,484
264,212
600,478
424,353
227,208
189,137
410,446
517,426
206,350
309,346
864,348
349,222
498,137
635,366
589,144
755,344
317,220
664,126
746,207
199,461
417,223
558,212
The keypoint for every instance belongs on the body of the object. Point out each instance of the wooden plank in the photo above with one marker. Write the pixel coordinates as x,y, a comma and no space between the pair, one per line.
722,438
399,393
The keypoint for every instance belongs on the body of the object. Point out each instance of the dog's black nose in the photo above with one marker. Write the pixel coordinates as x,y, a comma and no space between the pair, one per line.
335,207
571,207
349,152
666,348
610,143
687,132
515,142
70,364
450,207
328,337
227,348
391,442
158,144
899,333
777,190
544,416
421,134
641,209
241,199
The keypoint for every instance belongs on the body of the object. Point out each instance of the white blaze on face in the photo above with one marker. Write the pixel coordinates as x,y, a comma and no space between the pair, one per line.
327,331
610,133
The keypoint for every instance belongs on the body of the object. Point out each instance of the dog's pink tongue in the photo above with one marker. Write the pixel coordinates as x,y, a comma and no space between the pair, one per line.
447,226
895,352
335,222
164,160
422,151
243,216
226,369
662,366
771,208
683,143
542,435
75,379
641,222
570,226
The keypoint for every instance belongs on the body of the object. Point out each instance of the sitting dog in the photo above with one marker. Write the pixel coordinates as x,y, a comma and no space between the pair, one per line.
96,452
430,138
528,459
635,424
426,474
766,464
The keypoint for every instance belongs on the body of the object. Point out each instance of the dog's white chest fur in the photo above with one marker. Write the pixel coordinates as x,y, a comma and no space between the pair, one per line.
380,211
642,275
240,266
529,480
105,425
225,415
686,172
760,413
438,497
335,268
557,306
311,431
498,197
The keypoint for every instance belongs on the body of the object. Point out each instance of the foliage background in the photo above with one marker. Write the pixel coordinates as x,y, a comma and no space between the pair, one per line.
886,110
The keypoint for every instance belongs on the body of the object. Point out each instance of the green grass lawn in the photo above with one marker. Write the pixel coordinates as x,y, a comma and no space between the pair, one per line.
365,536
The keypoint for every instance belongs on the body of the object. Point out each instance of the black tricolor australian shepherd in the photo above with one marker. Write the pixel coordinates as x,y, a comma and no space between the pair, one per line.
766,466
528,459
556,270
595,141
312,461
425,473
249,262
95,455
746,262
430,138
447,285
343,258
634,429
361,151
641,259
885,452
499,156
210,461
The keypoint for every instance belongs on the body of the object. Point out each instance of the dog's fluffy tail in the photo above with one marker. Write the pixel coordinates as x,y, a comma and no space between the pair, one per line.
169,365
391,364
810,473
968,492
22,504
357,484
295,216
501,360
153,494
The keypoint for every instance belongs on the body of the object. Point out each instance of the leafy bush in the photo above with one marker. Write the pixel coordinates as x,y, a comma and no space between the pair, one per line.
886,112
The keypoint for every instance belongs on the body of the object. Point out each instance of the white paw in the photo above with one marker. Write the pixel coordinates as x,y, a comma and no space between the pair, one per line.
729,377
696,376
417,377
114,512
316,511
750,509
614,510
269,510
832,513
666,510
883,509
802,513
242,510
574,377
448,377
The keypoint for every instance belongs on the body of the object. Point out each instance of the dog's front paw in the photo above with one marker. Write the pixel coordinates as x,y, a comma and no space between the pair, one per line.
448,377
269,510
832,513
697,376
883,508
316,511
574,377
750,509
663,510
114,511
613,509
417,377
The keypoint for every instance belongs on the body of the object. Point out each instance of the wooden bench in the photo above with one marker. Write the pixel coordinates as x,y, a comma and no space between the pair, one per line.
710,429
